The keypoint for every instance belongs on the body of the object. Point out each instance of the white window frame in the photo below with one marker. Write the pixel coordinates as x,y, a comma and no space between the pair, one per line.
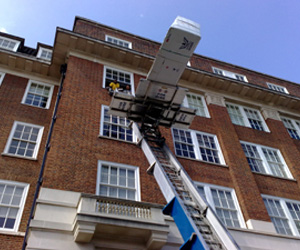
283,202
196,146
134,139
277,88
118,41
265,163
209,198
2,75
230,74
37,143
295,126
119,71
205,109
20,206
246,119
123,166
17,43
41,50
38,83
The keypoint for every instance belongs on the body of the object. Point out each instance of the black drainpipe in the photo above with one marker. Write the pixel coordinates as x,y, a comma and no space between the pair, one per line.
63,70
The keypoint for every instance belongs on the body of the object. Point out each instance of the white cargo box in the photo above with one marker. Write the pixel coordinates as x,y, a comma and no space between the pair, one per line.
175,52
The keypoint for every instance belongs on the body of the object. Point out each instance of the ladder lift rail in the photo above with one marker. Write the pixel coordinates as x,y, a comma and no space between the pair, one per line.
169,192
157,103
212,217
184,222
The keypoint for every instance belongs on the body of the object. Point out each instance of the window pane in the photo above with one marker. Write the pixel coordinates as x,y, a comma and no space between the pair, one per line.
113,192
196,102
277,216
222,203
122,181
201,191
122,193
254,119
3,212
207,147
103,190
292,128
131,195
235,114
131,182
117,41
6,199
10,202
294,209
183,143
37,95
274,162
24,141
115,127
117,181
113,176
253,158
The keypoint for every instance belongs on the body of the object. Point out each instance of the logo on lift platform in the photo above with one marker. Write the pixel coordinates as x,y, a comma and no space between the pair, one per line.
161,93
186,44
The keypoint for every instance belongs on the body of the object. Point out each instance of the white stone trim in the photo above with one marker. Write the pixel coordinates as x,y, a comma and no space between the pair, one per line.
259,225
215,98
270,113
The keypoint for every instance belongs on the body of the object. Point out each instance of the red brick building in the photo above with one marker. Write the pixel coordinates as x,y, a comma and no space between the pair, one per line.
242,149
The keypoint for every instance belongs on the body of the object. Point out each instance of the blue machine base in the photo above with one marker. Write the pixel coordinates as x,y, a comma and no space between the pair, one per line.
192,241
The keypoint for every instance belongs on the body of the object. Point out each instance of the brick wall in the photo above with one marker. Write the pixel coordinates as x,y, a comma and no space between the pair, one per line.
9,242
12,168
76,146
97,31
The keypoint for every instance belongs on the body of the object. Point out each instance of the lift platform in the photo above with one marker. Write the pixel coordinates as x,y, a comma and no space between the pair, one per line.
158,102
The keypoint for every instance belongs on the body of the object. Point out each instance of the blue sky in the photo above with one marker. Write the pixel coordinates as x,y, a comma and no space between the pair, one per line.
262,35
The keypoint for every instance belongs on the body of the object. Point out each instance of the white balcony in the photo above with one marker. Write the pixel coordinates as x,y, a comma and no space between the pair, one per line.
69,220
103,218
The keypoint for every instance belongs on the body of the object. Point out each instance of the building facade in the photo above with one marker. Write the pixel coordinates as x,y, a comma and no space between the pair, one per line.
242,150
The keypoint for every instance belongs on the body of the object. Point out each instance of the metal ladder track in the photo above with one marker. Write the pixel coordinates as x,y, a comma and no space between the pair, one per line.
195,212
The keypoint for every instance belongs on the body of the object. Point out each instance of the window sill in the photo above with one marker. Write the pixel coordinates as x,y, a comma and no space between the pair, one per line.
120,91
210,163
295,237
114,139
295,139
20,157
206,116
32,106
13,233
263,131
274,176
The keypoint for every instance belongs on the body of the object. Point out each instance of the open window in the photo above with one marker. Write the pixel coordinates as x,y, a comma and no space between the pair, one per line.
122,78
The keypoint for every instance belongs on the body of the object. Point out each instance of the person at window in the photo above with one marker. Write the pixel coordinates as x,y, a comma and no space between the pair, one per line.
127,90
113,87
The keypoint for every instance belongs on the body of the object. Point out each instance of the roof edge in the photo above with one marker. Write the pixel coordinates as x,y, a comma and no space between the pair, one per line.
198,55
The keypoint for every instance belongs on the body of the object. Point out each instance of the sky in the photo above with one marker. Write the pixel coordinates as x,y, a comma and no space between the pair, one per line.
261,35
